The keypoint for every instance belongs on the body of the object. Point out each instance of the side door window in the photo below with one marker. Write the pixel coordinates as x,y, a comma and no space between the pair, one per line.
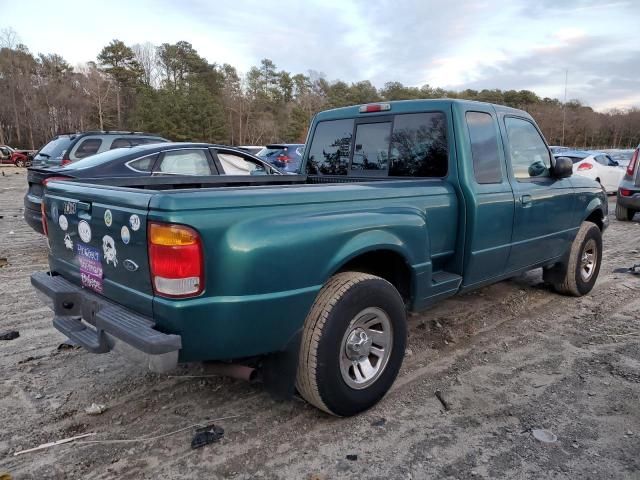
184,162
234,164
121,143
529,154
85,148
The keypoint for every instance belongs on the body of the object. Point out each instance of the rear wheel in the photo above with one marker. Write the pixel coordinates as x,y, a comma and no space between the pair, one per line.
353,344
584,262
624,214
20,163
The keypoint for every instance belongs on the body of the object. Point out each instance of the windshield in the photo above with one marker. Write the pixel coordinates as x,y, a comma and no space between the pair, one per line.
54,149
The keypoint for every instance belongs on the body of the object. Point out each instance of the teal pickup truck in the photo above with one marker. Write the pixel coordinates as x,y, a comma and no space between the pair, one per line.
309,277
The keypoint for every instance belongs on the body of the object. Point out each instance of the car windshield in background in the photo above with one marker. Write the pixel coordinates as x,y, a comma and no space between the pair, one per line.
574,155
54,149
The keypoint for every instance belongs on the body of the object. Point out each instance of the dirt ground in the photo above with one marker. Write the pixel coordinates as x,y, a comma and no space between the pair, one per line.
509,358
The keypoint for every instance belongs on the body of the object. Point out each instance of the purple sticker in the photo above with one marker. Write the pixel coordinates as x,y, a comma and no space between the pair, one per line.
90,267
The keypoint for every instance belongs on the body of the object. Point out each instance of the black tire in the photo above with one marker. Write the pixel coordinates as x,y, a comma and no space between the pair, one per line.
574,282
624,214
320,379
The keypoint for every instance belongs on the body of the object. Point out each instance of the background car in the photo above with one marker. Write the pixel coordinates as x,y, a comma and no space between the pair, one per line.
622,156
198,159
70,147
597,166
12,156
557,149
285,156
628,195
252,149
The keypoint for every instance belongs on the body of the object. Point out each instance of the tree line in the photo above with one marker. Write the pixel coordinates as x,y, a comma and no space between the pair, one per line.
173,91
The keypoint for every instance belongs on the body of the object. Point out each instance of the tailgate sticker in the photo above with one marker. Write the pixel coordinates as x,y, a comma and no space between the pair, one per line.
134,221
68,243
63,222
84,230
70,208
90,267
125,235
109,249
108,218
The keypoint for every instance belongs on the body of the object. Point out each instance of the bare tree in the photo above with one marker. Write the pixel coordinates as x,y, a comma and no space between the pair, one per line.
147,56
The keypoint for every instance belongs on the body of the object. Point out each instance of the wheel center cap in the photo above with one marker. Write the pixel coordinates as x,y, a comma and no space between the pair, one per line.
358,344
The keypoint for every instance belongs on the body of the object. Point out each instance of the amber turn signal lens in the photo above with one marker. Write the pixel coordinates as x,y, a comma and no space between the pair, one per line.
171,235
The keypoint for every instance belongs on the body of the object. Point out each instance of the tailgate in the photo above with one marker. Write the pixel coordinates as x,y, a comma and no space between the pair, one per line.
98,239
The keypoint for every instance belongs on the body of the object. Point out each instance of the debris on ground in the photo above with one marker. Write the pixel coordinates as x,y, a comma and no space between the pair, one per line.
445,404
544,436
634,269
206,435
9,335
53,444
95,409
352,457
379,423
68,344
3,261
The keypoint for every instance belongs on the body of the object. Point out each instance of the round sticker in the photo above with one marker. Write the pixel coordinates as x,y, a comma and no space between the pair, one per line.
63,222
84,230
125,235
134,221
108,219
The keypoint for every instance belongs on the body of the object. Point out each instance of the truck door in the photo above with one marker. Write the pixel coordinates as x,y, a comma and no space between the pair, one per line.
488,196
543,204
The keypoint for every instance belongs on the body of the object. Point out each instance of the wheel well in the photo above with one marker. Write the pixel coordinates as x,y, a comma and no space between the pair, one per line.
596,217
386,264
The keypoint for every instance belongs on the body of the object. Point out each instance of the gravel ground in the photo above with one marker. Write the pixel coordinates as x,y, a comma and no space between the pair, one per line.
508,358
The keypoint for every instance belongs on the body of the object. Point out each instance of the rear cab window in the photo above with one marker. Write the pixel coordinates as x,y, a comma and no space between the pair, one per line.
400,145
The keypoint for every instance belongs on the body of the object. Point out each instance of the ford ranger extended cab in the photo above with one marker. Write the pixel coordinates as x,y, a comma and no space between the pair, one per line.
310,277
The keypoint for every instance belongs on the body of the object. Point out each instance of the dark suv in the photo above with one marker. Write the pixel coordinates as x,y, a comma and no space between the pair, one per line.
628,198
69,147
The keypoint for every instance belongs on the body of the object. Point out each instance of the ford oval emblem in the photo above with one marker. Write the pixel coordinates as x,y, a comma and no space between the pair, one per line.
130,265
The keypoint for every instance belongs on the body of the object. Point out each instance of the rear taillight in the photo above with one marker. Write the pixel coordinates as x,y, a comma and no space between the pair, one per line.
585,166
632,163
284,159
52,179
625,192
43,218
65,161
176,260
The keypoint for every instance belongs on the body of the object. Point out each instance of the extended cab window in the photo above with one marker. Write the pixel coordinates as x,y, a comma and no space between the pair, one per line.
330,148
419,145
484,147
529,154
185,162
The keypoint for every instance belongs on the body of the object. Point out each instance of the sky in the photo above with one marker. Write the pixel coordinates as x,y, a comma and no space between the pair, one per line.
453,44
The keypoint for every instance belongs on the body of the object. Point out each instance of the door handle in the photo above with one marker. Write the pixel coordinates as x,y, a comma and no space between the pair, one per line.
525,200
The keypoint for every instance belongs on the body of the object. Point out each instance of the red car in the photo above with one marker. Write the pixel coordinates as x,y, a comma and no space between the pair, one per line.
11,156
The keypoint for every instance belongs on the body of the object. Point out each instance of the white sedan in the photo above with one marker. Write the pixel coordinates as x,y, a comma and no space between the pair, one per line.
600,167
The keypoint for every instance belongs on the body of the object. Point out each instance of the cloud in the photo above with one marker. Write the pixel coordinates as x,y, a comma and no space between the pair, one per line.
508,44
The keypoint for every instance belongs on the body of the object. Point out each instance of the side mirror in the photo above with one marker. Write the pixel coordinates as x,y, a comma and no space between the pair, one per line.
562,167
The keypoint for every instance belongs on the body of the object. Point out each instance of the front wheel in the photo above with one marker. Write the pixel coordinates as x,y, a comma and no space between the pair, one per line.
353,344
583,266
20,163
